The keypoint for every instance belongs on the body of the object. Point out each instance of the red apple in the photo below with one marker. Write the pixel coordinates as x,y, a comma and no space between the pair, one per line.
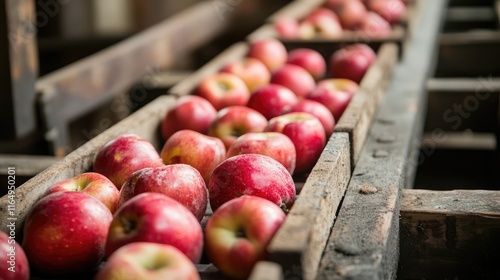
239,232
92,183
287,28
251,174
312,61
318,110
272,144
234,121
65,234
320,23
391,10
15,265
201,151
223,90
352,62
351,13
189,112
178,181
148,261
374,26
307,134
124,155
157,218
251,70
296,78
335,94
272,100
270,51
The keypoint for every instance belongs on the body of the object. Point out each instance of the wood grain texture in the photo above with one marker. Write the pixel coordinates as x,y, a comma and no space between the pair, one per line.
144,123
449,234
18,69
358,116
87,84
364,242
299,243
26,165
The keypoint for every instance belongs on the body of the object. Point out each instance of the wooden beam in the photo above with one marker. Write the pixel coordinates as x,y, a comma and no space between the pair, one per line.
18,70
450,234
89,83
364,242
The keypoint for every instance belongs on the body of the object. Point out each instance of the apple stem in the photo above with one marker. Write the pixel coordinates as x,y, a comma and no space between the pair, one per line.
284,208
128,225
241,233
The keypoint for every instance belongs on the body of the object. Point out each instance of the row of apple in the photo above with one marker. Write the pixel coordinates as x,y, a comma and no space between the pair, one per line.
373,18
68,233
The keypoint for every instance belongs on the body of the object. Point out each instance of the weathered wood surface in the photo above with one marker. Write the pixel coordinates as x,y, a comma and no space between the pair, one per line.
469,54
457,104
364,242
358,116
459,19
18,69
450,234
26,165
300,241
144,123
76,89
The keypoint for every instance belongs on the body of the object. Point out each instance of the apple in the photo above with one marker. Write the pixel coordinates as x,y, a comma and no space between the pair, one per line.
374,26
223,90
287,28
189,112
251,174
15,264
65,234
270,51
273,144
320,23
178,181
351,13
251,70
234,121
157,218
318,110
391,10
272,100
296,78
309,59
148,261
239,232
335,94
352,62
307,134
92,183
201,151
124,155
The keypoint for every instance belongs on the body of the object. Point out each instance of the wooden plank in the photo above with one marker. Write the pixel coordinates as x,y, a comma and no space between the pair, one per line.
358,116
450,234
19,68
364,242
265,270
459,19
295,10
469,54
497,11
26,165
76,89
299,243
145,123
458,104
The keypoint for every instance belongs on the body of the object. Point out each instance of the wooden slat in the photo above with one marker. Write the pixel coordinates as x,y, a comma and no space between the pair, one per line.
145,123
26,165
76,89
265,270
459,19
359,114
295,10
458,104
300,241
18,68
450,234
469,54
364,242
